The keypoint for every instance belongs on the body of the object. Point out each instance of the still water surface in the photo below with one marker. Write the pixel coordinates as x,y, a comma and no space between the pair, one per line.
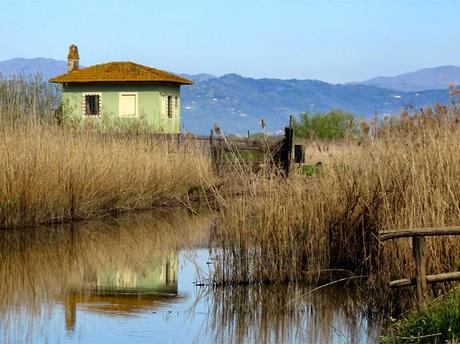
133,280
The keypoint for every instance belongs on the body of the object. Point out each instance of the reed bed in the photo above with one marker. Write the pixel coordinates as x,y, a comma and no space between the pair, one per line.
25,97
53,174
406,174
403,173
56,172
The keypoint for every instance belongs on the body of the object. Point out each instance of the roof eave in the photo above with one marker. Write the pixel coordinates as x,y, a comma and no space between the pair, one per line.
61,81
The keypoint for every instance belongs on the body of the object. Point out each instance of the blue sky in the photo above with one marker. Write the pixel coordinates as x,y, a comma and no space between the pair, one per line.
334,41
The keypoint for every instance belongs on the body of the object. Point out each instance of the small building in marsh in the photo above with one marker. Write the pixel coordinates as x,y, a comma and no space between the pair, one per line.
122,91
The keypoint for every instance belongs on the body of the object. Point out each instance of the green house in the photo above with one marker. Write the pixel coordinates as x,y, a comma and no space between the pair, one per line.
121,91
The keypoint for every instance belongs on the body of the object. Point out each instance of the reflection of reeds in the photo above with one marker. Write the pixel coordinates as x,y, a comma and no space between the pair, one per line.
44,264
288,313
307,228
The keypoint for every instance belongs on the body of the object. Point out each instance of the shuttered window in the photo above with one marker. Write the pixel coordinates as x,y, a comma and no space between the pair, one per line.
169,106
92,105
128,105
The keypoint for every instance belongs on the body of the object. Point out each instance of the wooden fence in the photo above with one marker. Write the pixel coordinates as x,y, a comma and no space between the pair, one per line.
224,151
421,279
270,150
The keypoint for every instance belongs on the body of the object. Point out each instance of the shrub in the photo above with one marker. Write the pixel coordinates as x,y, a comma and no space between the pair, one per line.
335,124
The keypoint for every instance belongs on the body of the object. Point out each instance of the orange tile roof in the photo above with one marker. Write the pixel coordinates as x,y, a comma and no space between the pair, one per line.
119,72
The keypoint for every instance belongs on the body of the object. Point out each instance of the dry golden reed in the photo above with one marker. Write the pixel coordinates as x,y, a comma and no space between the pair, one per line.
54,174
406,174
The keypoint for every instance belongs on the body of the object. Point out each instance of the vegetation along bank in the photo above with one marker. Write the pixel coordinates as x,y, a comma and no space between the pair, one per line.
57,173
401,172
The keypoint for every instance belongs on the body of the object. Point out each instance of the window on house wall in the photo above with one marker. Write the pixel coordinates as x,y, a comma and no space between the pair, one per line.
128,105
170,107
92,105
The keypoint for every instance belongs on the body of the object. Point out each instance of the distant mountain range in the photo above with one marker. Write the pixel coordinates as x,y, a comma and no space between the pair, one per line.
47,67
421,80
237,103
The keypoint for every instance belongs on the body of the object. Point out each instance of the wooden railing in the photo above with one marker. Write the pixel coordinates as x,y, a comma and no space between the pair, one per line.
418,249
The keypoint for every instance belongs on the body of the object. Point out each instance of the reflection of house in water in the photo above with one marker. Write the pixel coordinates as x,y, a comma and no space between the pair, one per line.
160,278
124,290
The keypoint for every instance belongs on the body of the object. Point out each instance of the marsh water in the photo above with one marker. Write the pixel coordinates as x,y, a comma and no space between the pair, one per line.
142,278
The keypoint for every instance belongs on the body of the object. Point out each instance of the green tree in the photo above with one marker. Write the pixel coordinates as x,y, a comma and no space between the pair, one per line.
335,124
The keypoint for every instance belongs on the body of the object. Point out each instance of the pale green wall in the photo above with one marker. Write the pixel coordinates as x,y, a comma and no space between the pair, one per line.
149,103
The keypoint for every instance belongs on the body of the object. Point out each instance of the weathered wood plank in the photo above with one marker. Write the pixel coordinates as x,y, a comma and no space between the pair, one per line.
405,233
237,149
418,248
443,277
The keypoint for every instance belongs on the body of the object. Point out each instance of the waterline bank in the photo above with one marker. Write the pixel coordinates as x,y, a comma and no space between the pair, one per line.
135,276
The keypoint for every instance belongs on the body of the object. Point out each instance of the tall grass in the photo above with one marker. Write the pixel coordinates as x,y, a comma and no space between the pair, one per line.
315,228
403,173
55,173
23,97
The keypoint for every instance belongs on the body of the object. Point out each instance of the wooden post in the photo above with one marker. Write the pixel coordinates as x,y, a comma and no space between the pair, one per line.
421,279
418,247
286,150
211,145
214,154
291,138
284,155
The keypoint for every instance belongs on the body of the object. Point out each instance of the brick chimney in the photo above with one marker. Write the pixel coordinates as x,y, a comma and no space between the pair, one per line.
73,59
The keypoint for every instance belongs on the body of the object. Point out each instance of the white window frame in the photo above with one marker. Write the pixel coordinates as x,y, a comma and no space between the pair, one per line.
83,105
120,95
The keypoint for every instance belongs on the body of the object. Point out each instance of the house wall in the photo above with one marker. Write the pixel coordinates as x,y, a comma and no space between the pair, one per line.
148,98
